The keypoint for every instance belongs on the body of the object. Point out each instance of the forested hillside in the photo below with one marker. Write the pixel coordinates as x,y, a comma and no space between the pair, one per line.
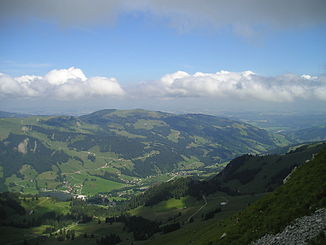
114,150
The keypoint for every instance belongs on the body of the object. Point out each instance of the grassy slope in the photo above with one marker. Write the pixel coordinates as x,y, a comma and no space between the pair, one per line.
301,195
272,169
191,231
34,209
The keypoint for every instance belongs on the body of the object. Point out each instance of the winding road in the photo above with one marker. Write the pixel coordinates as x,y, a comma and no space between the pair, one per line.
204,198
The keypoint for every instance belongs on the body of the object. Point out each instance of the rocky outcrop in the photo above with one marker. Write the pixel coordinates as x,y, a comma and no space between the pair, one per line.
298,232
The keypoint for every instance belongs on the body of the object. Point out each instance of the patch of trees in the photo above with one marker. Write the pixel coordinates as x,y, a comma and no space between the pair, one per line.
141,228
166,160
9,205
157,193
78,159
48,218
97,199
55,134
246,175
80,208
111,239
277,179
211,214
199,188
41,159
91,157
64,235
61,121
127,148
233,166
170,228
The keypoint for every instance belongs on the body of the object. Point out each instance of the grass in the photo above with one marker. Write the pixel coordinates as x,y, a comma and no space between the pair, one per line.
191,162
16,184
167,209
190,232
95,185
9,125
46,204
127,134
174,136
148,124
48,180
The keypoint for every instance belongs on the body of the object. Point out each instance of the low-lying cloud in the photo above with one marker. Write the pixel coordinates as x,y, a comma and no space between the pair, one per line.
71,84
63,84
238,85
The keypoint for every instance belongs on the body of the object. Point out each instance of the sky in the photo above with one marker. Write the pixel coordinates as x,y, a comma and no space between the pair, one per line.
203,56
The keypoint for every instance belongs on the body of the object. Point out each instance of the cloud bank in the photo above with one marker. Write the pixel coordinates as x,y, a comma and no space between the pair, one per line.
182,14
66,84
239,85
72,84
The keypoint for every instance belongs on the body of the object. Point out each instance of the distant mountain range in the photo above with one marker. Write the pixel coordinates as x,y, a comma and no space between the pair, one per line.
308,134
254,196
118,148
126,149
4,114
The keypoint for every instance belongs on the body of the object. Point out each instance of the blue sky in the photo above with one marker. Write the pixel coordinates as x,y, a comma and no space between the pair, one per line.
143,41
135,49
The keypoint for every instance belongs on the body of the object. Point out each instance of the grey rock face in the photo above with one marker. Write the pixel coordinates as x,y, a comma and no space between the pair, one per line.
298,232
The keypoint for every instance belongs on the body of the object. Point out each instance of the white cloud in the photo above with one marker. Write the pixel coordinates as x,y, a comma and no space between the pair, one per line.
238,85
104,85
309,77
71,83
65,84
59,77
8,85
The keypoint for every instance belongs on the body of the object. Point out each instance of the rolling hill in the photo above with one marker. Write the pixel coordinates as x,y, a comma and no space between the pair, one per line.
307,134
183,210
113,149
302,195
244,175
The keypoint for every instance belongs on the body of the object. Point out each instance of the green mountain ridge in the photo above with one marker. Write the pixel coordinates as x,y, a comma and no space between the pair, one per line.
308,134
180,211
302,194
247,174
5,114
114,149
